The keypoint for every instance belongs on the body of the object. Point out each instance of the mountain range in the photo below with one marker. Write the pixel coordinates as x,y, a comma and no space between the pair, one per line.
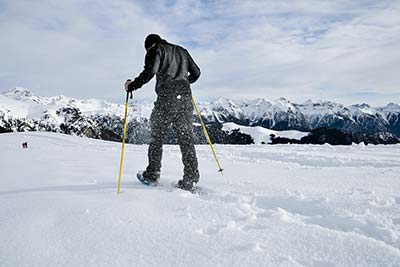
22,110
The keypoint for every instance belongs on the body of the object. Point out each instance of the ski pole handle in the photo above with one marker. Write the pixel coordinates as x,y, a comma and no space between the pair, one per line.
126,89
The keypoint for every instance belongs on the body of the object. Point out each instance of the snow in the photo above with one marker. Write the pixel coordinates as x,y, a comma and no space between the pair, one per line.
14,107
282,205
261,134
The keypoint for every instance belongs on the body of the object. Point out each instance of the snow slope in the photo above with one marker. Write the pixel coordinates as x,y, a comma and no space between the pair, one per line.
283,205
261,134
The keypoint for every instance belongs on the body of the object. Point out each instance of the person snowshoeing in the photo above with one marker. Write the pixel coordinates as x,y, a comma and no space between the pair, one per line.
175,70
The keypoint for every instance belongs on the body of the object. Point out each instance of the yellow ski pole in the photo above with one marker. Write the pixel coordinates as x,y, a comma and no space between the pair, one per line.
207,136
123,144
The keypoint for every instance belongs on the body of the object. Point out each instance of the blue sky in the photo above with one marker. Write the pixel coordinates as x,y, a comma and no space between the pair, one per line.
344,51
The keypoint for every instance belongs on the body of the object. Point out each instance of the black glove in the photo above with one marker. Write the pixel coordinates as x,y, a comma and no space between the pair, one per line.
127,89
132,87
127,82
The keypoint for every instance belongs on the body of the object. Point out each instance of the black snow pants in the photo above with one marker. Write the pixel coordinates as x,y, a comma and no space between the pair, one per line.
175,110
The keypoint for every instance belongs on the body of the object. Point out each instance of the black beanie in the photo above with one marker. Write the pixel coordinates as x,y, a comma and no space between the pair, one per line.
151,39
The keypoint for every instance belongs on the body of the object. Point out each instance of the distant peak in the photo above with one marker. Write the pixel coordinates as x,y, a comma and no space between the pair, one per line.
309,102
19,91
363,105
393,105
222,99
282,99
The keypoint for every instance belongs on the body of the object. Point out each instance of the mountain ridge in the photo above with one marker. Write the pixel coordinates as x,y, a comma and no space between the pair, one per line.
22,110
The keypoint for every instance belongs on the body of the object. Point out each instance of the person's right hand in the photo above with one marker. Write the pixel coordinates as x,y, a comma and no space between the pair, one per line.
127,82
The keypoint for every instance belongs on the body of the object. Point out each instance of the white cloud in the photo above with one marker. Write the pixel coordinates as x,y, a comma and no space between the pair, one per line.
76,48
346,51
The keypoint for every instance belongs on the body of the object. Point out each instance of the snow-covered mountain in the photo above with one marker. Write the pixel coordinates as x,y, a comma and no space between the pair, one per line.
281,114
21,110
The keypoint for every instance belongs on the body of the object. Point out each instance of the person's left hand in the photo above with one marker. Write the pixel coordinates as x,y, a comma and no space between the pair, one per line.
127,82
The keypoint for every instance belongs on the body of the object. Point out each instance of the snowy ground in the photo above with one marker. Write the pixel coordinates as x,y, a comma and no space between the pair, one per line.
261,134
284,205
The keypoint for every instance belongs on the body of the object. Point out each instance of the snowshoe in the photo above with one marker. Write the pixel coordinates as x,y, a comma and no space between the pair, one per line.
145,178
187,186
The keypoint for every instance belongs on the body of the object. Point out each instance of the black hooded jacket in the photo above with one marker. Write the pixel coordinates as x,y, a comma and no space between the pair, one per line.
173,66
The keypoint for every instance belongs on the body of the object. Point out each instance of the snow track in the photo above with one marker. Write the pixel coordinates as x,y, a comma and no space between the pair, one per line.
284,205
